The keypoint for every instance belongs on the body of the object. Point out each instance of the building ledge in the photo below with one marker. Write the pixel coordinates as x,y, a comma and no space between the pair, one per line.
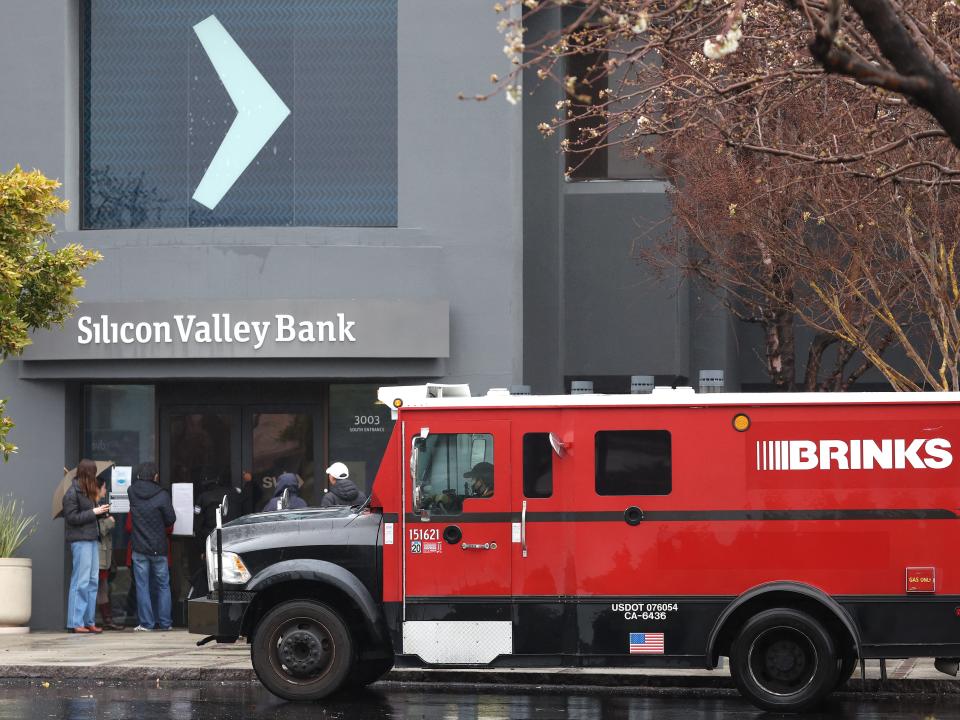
615,187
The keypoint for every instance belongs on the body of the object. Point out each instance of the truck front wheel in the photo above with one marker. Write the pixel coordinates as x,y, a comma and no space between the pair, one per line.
784,660
302,650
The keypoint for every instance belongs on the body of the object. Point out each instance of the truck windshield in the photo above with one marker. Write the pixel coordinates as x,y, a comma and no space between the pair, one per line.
449,468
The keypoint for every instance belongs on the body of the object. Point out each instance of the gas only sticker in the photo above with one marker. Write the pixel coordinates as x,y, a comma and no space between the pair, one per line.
645,611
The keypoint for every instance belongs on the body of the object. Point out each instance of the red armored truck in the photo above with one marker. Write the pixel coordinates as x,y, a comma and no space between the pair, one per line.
793,534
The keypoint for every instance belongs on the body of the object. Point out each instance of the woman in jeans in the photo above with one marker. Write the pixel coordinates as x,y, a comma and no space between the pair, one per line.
81,512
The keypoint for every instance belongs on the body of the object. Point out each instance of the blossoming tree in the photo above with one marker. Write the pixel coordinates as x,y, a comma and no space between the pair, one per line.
831,129
729,65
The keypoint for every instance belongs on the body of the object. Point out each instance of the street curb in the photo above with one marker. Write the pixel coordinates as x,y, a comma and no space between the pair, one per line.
610,683
114,673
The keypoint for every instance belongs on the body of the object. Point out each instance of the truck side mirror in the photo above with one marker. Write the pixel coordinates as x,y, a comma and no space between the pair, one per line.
558,445
285,500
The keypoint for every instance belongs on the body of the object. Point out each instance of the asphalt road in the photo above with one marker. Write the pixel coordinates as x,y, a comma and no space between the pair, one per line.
250,702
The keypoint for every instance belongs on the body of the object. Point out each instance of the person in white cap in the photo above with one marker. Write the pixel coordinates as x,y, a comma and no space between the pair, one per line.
342,490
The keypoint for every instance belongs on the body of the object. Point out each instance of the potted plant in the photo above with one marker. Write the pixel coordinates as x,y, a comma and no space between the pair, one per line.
15,573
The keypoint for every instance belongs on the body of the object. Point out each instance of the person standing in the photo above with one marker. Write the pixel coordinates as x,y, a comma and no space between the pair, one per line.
342,489
151,512
286,481
250,494
106,523
80,513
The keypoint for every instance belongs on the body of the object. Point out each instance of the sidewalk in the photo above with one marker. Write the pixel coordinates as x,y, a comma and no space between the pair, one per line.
173,656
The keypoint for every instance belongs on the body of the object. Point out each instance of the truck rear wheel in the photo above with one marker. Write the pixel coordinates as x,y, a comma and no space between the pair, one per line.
302,650
784,660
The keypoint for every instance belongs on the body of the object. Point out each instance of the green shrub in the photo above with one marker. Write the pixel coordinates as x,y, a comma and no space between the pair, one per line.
15,527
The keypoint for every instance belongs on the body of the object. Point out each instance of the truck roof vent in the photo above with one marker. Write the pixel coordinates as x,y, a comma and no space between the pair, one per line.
497,392
519,389
439,390
641,384
711,381
581,387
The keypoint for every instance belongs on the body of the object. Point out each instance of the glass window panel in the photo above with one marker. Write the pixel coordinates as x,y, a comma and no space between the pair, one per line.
155,113
200,450
633,462
200,454
283,442
359,430
537,465
119,423
451,468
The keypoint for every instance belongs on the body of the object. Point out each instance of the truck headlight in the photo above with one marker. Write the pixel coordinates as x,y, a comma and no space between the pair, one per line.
211,564
234,571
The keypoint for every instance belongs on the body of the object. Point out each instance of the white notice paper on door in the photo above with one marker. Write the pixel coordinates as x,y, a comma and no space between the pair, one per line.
182,494
120,479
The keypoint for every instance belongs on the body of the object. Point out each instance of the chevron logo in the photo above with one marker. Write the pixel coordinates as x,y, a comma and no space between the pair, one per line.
260,112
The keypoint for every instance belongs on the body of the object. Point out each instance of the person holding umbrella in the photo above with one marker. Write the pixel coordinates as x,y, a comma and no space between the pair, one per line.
81,512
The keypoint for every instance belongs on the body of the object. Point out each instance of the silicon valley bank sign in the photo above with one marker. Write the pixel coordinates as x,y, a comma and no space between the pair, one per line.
249,329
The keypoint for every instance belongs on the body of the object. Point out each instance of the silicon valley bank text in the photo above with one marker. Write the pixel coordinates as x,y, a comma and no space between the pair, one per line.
219,328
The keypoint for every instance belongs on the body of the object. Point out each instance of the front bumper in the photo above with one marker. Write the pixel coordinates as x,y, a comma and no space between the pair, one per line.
204,617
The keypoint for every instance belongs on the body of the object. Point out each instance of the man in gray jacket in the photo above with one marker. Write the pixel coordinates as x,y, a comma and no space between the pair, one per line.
151,512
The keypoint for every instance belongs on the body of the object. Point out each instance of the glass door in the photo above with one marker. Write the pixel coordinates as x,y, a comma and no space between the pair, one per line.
199,446
218,449
282,439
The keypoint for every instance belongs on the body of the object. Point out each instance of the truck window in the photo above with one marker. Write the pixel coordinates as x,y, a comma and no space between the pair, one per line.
633,462
537,465
451,468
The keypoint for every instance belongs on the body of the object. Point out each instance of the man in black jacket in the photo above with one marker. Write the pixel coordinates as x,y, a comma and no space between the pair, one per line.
342,490
151,513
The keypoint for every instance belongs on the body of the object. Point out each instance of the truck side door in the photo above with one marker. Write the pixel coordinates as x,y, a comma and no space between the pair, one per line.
457,540
541,541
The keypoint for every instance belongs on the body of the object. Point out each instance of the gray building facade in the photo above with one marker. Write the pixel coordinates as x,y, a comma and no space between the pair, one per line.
384,232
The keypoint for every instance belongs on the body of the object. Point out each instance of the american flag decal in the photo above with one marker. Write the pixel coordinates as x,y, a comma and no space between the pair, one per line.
646,643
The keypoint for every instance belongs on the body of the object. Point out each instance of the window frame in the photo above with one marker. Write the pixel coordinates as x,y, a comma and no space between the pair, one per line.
418,473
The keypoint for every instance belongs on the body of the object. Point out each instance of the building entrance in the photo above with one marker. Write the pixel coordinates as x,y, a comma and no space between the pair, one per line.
218,447
206,434
238,451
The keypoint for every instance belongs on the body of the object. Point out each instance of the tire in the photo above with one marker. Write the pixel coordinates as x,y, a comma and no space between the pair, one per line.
784,660
302,650
368,672
846,666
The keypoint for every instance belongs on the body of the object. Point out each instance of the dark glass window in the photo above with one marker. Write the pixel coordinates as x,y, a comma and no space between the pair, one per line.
633,462
119,423
537,465
448,469
157,107
594,154
358,431
284,442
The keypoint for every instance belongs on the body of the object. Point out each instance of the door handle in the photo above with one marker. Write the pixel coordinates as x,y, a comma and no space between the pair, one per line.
478,546
523,528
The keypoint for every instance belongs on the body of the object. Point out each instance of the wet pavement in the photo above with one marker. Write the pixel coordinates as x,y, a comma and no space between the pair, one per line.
88,701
